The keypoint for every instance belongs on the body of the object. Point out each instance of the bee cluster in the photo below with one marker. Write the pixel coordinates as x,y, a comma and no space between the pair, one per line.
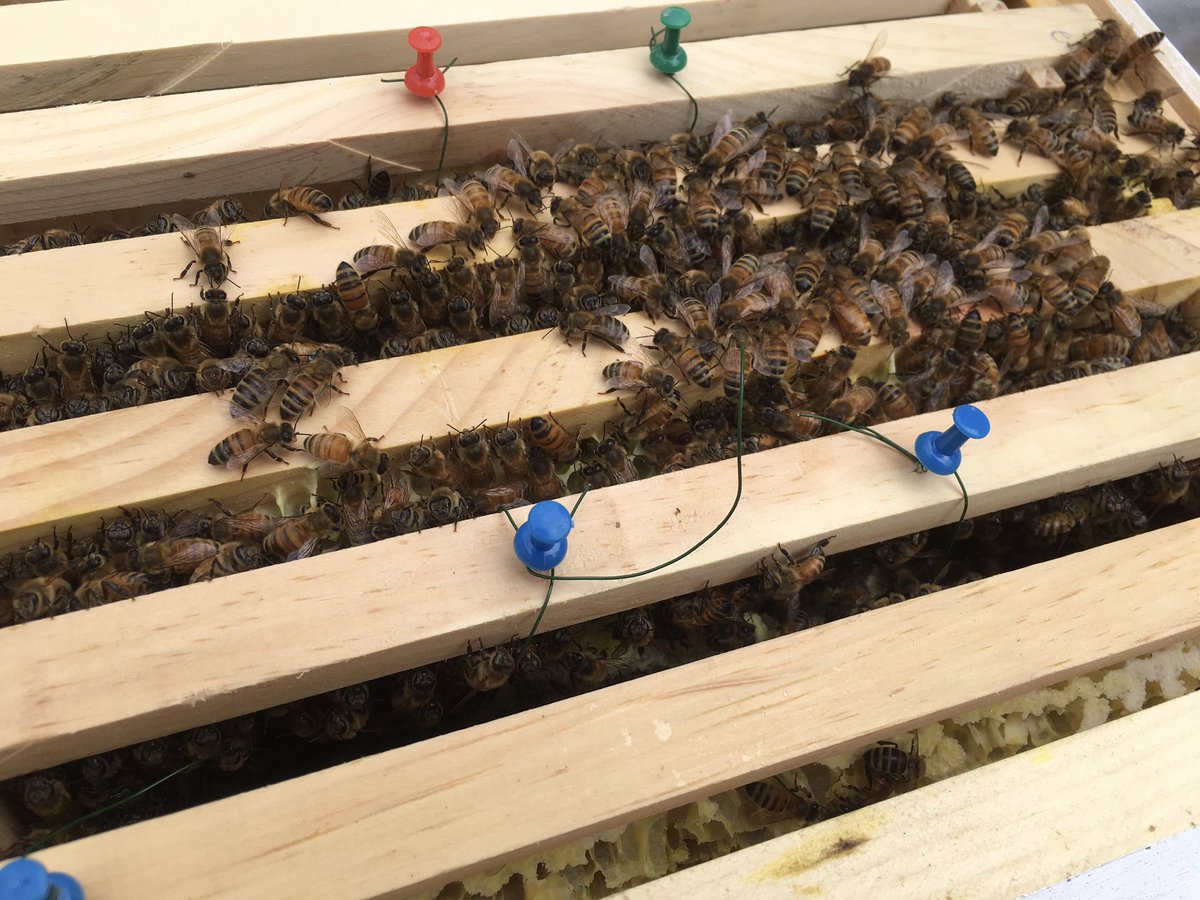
876,234
789,593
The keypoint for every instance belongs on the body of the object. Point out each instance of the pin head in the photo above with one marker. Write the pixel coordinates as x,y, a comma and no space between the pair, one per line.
27,879
666,55
541,543
424,39
940,452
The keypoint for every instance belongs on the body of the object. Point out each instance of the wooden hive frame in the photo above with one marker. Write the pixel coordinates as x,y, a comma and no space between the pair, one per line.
291,95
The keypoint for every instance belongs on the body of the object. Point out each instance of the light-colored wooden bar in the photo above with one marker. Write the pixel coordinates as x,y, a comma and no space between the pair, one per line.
1001,831
98,287
154,455
279,634
110,155
442,808
231,44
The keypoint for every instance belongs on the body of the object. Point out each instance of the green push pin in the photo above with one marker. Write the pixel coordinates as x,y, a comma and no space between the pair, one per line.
666,55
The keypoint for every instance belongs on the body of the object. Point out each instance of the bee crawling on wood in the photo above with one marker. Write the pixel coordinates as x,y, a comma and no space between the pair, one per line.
208,241
244,446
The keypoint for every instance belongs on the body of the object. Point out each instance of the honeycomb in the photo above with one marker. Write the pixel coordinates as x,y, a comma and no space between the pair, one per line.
623,857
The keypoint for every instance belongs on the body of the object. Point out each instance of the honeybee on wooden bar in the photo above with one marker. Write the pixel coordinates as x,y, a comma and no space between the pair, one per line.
299,201
728,143
299,536
601,324
871,68
245,445
208,242
309,388
487,670
479,201
181,556
345,451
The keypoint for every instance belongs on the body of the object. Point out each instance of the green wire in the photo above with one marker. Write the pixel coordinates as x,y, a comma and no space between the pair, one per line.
52,835
445,118
695,106
861,429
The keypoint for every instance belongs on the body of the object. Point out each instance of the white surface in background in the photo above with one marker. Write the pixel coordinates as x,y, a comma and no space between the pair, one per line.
1168,870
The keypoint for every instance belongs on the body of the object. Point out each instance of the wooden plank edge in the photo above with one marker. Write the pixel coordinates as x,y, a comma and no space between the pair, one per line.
295,126
231,45
419,598
1013,826
674,736
49,481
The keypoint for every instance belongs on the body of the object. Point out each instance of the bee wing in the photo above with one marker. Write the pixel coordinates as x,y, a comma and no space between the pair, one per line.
246,456
238,365
519,154
901,243
617,309
185,227
184,525
726,252
864,231
753,163
236,412
305,550
724,126
877,45
562,149
346,422
760,362
390,233
646,255
605,211
1040,220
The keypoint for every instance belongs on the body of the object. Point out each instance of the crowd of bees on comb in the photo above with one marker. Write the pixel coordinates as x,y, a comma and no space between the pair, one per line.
887,237
789,592
878,235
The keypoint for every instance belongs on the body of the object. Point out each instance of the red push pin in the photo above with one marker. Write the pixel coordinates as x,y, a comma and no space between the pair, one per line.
424,78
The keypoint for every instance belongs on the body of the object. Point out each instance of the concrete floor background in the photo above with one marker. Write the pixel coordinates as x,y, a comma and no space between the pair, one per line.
1180,19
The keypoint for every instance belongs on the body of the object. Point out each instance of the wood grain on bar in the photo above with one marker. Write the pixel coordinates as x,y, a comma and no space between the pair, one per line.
147,667
111,155
1001,831
228,43
460,803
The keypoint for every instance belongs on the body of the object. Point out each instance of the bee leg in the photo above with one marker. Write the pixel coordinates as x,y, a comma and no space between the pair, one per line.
274,456
183,274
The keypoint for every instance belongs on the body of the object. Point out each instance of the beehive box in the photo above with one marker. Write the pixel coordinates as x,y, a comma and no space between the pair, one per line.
189,112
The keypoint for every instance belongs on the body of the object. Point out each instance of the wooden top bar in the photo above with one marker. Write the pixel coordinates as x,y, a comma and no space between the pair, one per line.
1014,826
266,637
420,816
77,159
228,43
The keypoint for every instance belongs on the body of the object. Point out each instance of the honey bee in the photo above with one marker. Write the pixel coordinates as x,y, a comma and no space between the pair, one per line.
261,382
45,794
539,166
1135,51
245,445
591,227
479,201
694,366
728,143
73,367
487,670
1059,522
786,576
778,799
299,201
40,598
628,374
866,72
544,483
853,404
505,182
299,536
911,127
208,243
352,291
499,497
231,558
413,689
348,451
309,388
578,163
600,323
184,342
428,462
180,556
433,234
552,438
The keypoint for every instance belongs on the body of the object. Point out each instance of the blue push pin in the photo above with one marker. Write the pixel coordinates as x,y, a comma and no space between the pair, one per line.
27,879
939,452
541,543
